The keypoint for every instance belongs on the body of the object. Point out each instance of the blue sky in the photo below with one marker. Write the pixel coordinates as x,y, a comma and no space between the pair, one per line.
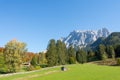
35,22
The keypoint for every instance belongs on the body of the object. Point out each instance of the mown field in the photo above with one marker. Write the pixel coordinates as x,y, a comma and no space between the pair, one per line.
74,72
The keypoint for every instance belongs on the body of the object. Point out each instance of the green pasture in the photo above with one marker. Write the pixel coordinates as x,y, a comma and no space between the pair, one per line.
74,72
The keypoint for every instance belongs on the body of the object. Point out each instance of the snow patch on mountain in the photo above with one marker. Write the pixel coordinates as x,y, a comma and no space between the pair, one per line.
79,38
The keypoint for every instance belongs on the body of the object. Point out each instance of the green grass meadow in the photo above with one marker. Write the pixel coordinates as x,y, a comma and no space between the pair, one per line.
74,72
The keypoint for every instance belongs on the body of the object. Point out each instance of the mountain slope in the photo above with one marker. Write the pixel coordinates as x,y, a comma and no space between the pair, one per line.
81,39
113,39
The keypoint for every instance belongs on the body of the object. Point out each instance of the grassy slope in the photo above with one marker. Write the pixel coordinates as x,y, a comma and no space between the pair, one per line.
74,72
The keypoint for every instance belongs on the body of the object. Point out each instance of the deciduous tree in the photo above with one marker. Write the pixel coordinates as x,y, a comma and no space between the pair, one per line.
13,54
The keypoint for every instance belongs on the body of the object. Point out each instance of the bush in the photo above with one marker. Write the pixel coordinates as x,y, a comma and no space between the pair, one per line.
104,56
118,61
37,67
43,65
30,68
3,70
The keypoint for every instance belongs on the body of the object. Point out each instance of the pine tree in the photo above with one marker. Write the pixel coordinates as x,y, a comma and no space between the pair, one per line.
60,52
51,54
71,55
34,61
117,50
102,52
42,58
110,51
65,52
81,56
90,55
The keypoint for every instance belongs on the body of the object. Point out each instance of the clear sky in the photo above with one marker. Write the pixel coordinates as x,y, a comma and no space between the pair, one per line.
35,22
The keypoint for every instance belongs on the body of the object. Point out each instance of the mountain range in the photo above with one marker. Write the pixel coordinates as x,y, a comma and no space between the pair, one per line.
78,38
113,39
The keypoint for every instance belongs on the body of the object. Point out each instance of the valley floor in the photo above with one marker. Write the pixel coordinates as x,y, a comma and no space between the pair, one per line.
74,72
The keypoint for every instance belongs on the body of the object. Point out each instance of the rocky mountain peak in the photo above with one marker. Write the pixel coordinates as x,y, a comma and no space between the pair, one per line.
83,38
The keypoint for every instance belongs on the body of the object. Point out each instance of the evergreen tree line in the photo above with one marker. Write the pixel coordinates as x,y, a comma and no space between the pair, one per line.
58,54
104,52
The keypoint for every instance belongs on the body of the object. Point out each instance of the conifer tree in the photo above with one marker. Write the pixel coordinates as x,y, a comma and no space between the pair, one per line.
102,52
60,52
34,61
90,55
65,52
51,54
110,51
71,55
81,56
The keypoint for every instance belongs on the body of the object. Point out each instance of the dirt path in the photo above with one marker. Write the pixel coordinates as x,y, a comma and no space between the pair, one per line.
10,74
